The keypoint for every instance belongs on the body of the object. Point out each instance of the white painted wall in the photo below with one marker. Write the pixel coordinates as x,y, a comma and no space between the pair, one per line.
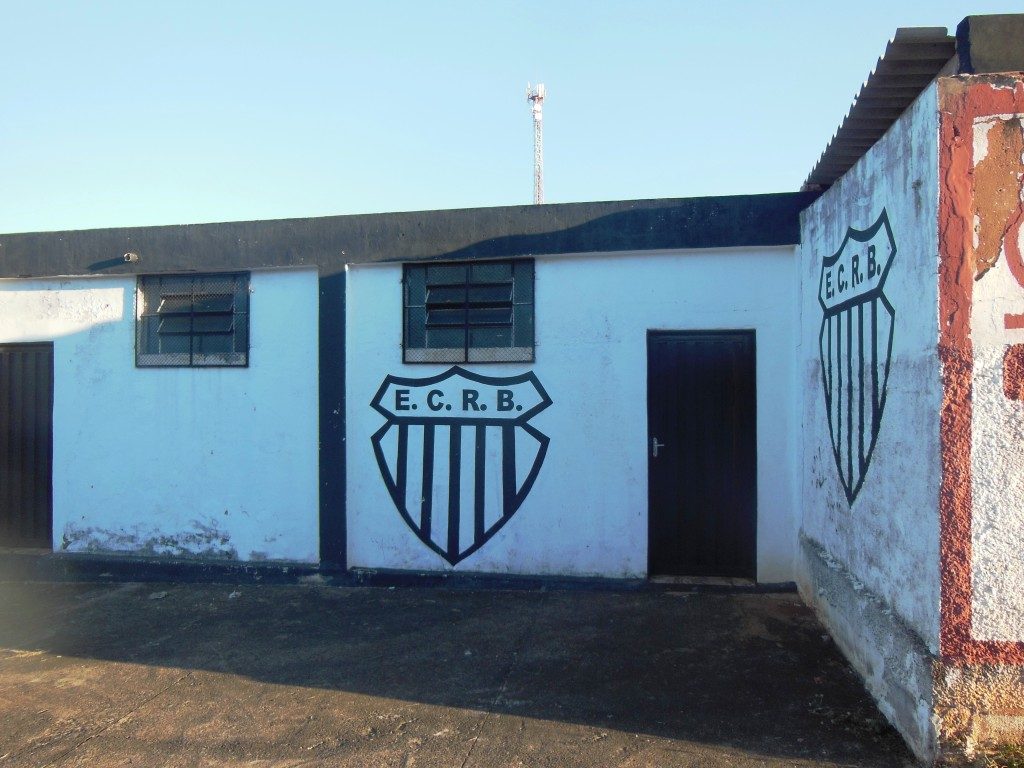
587,513
997,443
888,539
176,461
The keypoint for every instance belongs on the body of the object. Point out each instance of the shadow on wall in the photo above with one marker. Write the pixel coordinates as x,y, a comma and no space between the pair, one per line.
749,673
716,222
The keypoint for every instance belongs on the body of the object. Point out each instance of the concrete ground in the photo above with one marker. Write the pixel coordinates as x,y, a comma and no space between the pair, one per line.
213,675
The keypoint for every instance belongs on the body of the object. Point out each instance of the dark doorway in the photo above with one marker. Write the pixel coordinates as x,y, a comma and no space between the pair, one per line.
702,453
26,445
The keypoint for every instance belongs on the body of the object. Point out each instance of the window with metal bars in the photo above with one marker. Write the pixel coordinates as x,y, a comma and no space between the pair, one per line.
192,320
478,312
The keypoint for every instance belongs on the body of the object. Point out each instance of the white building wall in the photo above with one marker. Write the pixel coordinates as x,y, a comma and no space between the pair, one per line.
587,512
887,539
218,462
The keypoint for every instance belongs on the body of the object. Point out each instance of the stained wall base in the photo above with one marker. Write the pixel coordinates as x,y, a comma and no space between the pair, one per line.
893,660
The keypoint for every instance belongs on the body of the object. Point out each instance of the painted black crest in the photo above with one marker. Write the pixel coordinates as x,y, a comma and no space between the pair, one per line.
856,346
458,455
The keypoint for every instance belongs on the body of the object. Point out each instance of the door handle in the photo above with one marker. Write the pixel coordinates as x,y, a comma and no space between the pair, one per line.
655,445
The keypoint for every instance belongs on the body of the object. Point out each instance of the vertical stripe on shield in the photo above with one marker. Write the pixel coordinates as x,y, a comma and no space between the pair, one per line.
427,501
837,393
479,479
849,396
861,380
874,367
508,469
837,379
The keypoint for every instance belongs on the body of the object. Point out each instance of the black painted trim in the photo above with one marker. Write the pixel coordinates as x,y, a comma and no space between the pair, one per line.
65,567
330,242
333,533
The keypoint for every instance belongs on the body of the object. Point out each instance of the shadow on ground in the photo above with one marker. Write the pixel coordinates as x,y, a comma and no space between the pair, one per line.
193,674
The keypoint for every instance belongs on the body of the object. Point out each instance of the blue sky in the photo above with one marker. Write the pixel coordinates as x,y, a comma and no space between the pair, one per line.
133,113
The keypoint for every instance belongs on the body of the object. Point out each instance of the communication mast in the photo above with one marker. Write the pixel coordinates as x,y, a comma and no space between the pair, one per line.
536,98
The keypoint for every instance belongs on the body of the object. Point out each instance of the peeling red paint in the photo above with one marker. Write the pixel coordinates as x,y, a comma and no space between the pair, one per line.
1013,372
962,100
996,195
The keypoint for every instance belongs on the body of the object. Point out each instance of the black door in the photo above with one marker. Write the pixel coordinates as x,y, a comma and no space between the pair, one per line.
26,444
702,453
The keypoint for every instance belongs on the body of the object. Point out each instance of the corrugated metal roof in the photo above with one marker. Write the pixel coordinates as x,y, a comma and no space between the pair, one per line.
912,59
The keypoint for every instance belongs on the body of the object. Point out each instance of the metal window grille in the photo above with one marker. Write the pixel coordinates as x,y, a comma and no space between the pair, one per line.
192,320
481,312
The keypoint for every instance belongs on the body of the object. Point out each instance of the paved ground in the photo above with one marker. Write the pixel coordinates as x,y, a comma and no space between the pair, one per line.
150,675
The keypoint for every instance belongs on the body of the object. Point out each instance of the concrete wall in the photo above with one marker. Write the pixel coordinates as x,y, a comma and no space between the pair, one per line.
218,462
587,511
877,537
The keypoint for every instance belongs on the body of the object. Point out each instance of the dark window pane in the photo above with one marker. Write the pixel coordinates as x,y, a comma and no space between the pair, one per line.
415,327
241,335
415,286
446,274
490,337
490,294
436,317
148,336
212,323
217,302
210,285
446,295
169,285
496,316
241,295
175,324
174,343
214,343
439,338
522,324
492,272
524,282
174,303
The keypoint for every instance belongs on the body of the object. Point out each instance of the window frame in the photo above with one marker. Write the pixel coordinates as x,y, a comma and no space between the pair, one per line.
234,359
422,355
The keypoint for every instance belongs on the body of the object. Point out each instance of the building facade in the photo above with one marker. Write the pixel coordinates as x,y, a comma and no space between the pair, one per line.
821,388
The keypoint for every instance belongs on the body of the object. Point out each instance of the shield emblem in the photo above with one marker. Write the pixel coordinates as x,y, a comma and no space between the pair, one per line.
855,345
458,455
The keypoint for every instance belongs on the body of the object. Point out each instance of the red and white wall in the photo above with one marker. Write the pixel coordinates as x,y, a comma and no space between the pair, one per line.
982,344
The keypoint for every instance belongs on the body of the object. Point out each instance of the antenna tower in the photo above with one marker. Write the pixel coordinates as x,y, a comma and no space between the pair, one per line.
536,98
